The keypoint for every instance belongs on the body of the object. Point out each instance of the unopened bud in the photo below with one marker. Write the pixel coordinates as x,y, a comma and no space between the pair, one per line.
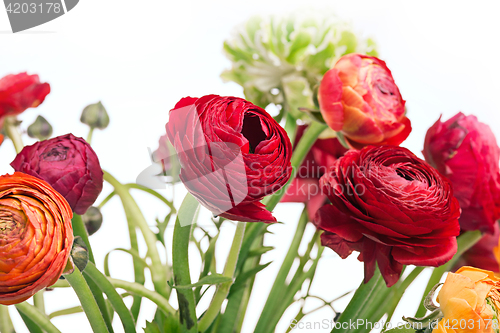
92,219
40,129
79,253
95,116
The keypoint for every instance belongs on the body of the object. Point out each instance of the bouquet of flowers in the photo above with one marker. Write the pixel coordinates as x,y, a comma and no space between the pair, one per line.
321,124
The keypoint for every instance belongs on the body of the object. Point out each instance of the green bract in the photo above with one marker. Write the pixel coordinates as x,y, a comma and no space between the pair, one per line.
280,60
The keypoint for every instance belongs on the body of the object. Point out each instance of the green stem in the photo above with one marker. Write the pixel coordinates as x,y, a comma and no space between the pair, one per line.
366,297
10,126
465,241
30,324
89,136
87,301
180,263
80,230
5,322
291,127
400,290
113,296
38,317
136,218
105,201
153,193
300,152
223,289
73,310
287,295
140,290
304,145
38,301
273,300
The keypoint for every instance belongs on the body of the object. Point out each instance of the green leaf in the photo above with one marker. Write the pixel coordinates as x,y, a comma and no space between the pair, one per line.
132,252
260,251
209,279
342,140
208,260
171,325
368,298
151,328
162,226
244,277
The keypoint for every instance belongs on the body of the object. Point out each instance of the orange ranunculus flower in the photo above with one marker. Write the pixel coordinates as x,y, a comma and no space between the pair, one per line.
358,98
36,236
469,300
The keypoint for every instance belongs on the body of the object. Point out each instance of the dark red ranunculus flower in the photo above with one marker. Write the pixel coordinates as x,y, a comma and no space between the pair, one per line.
19,92
483,254
67,163
359,98
392,207
232,154
305,187
466,152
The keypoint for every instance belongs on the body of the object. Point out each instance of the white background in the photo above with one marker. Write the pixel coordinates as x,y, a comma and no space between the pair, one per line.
140,57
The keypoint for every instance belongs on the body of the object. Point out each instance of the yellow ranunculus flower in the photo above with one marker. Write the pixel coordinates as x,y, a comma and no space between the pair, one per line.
469,300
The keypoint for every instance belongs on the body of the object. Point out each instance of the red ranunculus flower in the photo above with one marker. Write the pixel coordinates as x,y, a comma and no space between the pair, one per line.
35,236
67,163
305,187
390,206
232,154
1,126
19,92
465,150
358,97
483,254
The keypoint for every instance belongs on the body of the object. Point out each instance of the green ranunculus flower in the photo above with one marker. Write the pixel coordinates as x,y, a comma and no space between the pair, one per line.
281,60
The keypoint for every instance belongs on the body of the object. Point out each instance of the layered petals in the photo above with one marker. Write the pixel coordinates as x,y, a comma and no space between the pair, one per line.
466,152
305,187
469,301
20,92
35,236
232,154
68,164
358,97
390,206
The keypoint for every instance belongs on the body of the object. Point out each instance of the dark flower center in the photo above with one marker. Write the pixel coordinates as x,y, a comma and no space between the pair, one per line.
384,89
252,131
12,223
405,174
55,154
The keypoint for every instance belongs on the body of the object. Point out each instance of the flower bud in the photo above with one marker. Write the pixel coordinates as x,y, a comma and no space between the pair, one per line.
359,98
92,219
40,129
465,150
95,116
79,253
68,164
